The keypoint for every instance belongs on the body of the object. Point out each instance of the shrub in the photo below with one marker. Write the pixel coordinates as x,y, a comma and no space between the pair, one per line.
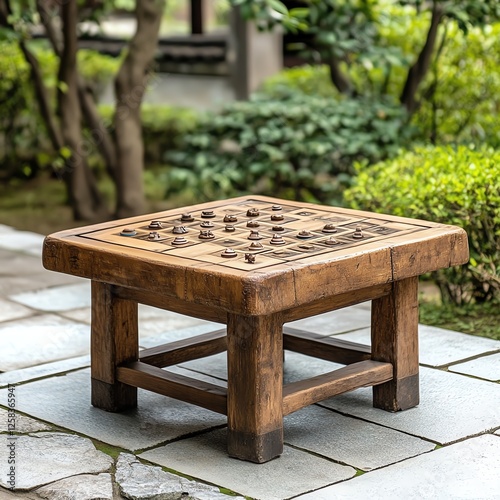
24,143
459,186
301,147
310,80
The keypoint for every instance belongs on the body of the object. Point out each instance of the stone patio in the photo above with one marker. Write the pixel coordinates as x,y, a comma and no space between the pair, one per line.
446,448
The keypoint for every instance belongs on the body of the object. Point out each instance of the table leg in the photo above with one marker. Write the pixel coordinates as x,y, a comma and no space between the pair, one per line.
255,387
395,340
114,340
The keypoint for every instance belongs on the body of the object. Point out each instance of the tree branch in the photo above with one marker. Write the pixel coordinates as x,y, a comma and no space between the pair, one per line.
46,19
43,98
100,135
417,72
36,74
339,79
87,203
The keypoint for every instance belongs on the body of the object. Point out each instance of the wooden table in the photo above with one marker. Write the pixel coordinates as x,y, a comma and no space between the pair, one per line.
254,263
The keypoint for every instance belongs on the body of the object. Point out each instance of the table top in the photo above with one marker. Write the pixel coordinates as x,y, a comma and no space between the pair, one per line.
254,254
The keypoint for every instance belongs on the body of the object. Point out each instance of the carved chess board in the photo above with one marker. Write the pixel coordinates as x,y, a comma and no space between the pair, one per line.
252,233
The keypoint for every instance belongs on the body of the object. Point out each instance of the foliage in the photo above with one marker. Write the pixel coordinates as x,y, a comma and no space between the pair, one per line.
351,38
26,147
467,73
301,146
308,79
481,319
459,186
19,125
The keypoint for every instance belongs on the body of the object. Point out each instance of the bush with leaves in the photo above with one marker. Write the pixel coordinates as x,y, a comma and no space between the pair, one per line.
301,147
459,186
24,144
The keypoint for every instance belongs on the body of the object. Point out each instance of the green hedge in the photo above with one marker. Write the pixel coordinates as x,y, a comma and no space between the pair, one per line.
459,186
301,147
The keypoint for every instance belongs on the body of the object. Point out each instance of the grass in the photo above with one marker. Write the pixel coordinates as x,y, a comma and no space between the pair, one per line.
475,319
39,205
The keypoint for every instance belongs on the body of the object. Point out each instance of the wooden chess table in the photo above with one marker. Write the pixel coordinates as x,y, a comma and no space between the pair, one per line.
254,263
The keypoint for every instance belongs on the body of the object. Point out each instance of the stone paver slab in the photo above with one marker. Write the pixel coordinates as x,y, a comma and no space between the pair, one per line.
350,441
296,366
20,284
466,470
179,334
144,482
205,457
452,407
82,487
9,311
44,370
342,320
65,401
13,263
169,326
23,241
487,367
81,314
6,229
63,455
59,298
437,346
16,423
41,339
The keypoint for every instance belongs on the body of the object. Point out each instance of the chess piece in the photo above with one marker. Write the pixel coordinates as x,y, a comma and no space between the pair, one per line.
253,212
179,230
207,224
254,235
276,208
155,224
255,245
278,228
153,235
228,253
250,258
277,240
253,223
206,235
229,228
128,232
332,241
230,218
304,235
207,214
277,217
187,218
179,240
329,228
358,234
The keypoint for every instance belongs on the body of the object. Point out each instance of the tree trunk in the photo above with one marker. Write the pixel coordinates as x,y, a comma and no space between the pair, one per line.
418,71
130,85
85,198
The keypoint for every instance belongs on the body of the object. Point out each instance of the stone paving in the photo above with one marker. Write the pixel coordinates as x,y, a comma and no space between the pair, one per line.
64,449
